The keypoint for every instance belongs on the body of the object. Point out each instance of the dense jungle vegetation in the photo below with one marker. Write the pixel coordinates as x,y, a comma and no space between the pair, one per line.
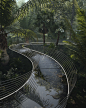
55,21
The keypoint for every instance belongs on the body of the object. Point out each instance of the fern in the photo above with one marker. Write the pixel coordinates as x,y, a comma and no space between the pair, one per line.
78,46
25,33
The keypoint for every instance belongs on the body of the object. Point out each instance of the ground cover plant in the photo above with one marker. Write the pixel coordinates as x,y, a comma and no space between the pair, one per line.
17,65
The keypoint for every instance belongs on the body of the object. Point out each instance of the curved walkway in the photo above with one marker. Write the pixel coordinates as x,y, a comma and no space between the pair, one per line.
47,85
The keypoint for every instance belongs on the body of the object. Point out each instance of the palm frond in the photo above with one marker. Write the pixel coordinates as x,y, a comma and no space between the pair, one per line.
77,47
25,33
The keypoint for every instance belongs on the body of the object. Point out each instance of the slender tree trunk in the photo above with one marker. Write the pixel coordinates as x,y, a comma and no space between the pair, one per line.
44,30
3,47
1,15
58,39
44,39
43,43
73,9
17,38
27,40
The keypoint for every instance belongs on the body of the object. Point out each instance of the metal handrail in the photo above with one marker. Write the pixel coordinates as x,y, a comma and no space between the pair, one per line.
69,69
66,64
11,86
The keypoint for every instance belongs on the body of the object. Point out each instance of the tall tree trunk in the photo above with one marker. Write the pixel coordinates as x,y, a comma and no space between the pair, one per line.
3,46
17,39
27,40
43,38
43,43
58,38
43,33
1,15
73,9
5,57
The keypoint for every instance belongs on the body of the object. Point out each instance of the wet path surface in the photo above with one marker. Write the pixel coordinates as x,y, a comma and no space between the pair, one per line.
44,89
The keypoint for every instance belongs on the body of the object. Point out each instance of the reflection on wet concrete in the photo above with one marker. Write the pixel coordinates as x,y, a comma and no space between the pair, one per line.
44,88
49,80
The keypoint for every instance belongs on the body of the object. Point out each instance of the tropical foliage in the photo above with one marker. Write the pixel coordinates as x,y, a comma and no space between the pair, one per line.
51,17
44,21
26,33
77,46
6,17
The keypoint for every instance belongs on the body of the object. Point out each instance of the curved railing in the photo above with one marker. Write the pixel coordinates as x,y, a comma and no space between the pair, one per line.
67,65
11,86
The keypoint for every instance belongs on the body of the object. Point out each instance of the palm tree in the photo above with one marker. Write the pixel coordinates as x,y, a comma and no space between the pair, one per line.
44,21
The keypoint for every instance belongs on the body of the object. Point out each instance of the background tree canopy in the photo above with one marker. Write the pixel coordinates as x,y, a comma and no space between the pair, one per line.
50,20
6,17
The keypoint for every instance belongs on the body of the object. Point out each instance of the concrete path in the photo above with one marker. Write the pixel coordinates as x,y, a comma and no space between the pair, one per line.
44,88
